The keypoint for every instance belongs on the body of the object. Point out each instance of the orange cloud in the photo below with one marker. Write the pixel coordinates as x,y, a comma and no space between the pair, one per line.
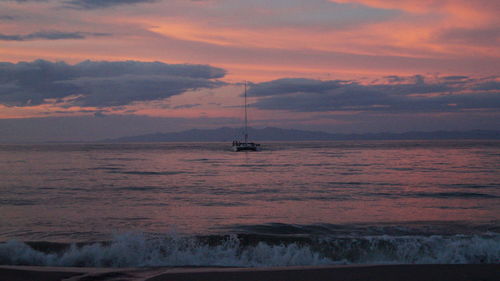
415,38
367,40
439,27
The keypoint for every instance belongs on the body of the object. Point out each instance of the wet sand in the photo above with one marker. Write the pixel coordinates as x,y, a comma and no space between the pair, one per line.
469,272
13,274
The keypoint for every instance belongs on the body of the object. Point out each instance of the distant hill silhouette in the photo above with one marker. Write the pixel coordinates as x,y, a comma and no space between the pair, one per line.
278,134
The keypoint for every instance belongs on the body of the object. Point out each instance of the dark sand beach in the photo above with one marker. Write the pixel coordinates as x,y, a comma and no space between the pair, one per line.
468,272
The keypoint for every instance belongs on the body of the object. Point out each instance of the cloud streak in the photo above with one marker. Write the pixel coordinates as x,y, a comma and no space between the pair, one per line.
99,4
50,35
6,18
486,36
100,84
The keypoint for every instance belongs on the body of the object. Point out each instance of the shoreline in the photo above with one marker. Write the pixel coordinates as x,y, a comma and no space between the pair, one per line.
428,272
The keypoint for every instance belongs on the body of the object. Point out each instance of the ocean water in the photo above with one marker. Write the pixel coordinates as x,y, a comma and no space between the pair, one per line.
293,203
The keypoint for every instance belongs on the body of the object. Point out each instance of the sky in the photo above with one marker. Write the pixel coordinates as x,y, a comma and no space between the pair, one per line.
86,70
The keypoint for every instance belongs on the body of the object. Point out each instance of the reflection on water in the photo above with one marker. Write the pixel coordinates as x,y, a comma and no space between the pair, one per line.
74,192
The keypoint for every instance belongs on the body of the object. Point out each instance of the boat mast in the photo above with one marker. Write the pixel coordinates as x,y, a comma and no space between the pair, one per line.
246,118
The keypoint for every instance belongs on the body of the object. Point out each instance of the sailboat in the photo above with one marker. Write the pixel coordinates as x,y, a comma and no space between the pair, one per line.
245,146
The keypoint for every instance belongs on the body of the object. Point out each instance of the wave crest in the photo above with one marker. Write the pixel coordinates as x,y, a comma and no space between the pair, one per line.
132,250
139,250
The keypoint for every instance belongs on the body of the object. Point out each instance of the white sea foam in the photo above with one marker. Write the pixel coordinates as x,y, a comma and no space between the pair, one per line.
136,250
456,249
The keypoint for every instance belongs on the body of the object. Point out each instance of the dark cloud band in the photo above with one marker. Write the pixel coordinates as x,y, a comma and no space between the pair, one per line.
395,94
101,84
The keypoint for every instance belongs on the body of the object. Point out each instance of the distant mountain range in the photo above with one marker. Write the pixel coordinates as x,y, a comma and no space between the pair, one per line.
277,134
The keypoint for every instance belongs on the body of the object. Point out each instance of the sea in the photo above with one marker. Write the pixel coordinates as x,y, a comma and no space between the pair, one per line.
290,204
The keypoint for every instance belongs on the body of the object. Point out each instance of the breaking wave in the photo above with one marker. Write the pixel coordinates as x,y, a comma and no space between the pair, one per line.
140,250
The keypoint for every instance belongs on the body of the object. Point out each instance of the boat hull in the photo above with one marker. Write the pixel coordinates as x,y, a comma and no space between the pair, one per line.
246,147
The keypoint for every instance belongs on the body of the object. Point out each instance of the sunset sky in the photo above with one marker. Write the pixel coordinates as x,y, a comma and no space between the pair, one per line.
90,69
